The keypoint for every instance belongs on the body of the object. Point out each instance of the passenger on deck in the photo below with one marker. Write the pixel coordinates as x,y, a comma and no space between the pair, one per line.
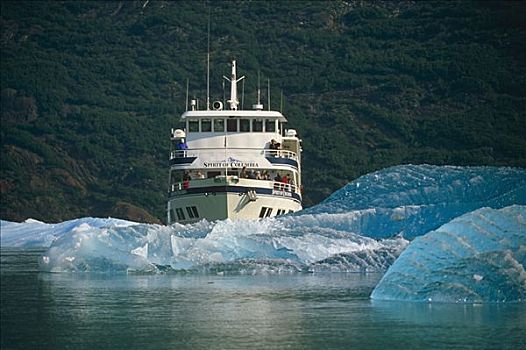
278,152
186,180
252,174
243,173
265,175
274,147
199,175
285,179
182,145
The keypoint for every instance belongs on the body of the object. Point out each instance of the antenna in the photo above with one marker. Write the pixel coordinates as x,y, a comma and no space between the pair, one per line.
258,106
208,65
259,87
242,94
281,102
224,98
268,86
187,86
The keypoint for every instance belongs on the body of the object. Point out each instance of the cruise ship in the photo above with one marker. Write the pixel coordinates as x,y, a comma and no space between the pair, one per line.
227,162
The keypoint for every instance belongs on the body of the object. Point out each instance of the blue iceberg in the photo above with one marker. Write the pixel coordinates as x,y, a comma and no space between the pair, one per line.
477,257
411,200
362,227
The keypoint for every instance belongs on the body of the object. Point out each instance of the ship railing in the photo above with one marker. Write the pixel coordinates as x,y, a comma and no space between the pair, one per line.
196,152
182,186
285,187
280,153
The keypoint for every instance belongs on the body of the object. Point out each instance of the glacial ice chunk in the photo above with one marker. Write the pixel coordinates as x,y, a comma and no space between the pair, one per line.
36,234
262,246
414,199
362,227
477,257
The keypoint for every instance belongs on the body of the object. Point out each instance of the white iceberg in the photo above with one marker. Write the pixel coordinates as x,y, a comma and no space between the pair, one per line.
264,246
36,234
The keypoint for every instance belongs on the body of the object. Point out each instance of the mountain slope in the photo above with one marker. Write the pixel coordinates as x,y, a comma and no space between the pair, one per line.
90,90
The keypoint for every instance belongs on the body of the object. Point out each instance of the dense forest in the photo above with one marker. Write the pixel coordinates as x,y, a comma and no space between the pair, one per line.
90,90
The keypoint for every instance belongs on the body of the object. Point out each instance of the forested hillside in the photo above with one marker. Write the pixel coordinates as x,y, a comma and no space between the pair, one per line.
90,90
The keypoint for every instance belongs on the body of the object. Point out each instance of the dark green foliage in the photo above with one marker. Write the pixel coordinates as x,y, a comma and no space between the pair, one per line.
90,90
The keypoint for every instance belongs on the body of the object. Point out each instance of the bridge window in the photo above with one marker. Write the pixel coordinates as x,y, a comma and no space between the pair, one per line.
206,125
270,125
193,126
231,125
257,125
244,125
219,125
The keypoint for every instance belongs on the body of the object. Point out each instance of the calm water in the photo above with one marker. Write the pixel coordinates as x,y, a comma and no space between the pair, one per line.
302,311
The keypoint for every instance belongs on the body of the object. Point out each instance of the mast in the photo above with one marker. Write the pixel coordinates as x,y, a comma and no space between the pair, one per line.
234,102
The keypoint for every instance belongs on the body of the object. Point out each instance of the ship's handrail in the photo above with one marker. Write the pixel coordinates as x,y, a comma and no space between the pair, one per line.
195,152
181,187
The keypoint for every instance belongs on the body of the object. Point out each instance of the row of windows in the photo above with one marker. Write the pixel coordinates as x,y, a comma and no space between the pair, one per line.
191,211
266,212
232,125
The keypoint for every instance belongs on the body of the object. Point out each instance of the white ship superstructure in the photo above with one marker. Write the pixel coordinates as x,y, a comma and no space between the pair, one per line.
231,163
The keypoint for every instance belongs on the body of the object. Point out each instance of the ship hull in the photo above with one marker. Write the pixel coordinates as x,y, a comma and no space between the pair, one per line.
231,201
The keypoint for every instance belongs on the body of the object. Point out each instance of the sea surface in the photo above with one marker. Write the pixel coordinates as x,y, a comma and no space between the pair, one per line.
209,311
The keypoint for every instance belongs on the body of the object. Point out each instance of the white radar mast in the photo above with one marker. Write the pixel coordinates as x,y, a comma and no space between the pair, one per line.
234,102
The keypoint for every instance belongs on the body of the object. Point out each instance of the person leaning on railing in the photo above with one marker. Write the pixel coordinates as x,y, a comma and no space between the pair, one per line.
274,147
181,147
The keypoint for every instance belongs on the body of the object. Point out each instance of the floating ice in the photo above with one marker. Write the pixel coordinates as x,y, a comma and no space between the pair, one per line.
264,246
36,234
478,257
362,227
414,199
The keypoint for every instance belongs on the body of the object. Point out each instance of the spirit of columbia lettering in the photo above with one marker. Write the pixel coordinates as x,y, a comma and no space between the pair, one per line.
230,164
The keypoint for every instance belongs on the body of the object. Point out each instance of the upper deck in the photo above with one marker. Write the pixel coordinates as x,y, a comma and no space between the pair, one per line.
251,114
214,136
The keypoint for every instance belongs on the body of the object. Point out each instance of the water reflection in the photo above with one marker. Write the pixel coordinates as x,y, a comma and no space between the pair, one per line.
325,311
497,326
453,314
236,311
